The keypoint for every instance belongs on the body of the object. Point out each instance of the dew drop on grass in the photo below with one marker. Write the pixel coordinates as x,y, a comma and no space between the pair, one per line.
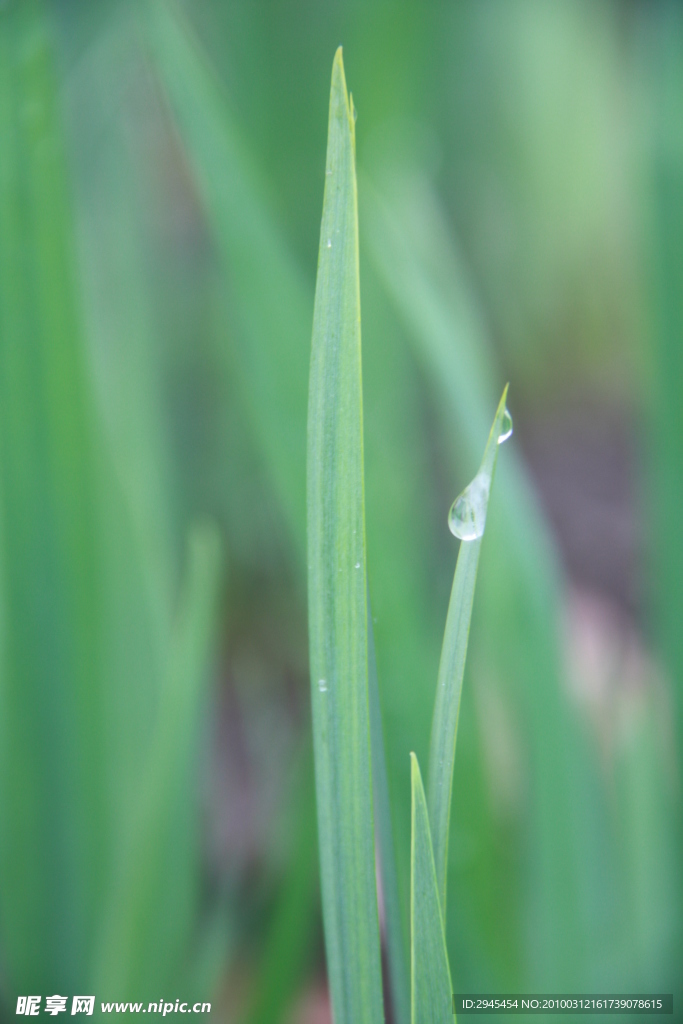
322,685
467,517
506,427
357,565
329,243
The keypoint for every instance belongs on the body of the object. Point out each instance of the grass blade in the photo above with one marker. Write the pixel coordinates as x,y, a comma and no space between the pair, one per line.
395,938
452,667
128,356
663,483
54,829
432,991
268,295
337,591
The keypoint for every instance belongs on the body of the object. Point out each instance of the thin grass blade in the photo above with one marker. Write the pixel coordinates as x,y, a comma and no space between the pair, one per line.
452,664
432,990
337,591
396,946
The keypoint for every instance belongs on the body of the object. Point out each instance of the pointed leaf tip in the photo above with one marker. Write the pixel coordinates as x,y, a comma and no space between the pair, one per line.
338,69
339,90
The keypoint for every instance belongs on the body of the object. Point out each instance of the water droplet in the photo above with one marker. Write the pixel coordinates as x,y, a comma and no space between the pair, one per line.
322,685
329,243
328,172
505,428
357,565
467,517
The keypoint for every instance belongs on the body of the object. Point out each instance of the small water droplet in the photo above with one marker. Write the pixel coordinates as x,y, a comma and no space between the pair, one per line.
322,685
467,517
329,243
357,565
328,172
506,427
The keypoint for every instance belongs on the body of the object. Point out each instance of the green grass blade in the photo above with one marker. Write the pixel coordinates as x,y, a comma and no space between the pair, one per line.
432,990
395,938
267,295
451,669
662,486
53,832
337,591
128,357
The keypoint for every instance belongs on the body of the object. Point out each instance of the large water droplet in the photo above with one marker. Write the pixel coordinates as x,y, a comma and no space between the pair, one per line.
505,428
467,517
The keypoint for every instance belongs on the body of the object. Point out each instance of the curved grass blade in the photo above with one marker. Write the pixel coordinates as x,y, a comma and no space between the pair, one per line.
425,279
452,664
337,591
432,991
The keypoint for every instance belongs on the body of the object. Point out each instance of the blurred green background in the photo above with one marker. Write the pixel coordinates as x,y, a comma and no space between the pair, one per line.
521,219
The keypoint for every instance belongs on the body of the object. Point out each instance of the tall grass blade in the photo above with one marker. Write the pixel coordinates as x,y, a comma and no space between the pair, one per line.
432,990
53,827
663,485
337,591
128,351
269,364
269,298
452,667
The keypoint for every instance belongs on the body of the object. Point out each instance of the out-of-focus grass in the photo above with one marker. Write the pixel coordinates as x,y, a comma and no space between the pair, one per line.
156,295
56,832
663,484
101,682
